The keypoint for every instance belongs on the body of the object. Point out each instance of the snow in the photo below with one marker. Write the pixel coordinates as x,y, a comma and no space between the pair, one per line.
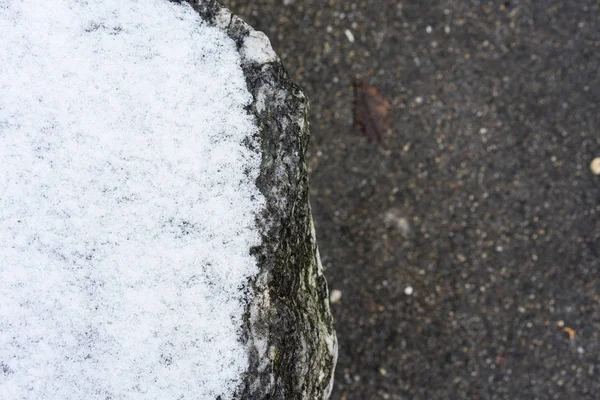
127,202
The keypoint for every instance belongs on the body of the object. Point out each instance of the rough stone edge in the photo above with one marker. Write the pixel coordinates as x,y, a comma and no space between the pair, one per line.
290,306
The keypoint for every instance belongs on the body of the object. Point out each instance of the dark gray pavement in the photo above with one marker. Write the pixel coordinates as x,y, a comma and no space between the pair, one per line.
483,204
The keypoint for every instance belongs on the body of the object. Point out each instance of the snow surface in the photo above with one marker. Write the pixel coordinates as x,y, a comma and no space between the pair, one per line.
127,202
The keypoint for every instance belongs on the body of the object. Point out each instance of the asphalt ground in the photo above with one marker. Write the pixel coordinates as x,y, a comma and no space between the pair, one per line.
467,249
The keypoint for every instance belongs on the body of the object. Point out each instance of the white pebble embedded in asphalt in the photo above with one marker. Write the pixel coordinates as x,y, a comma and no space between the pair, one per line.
408,290
335,296
595,166
349,35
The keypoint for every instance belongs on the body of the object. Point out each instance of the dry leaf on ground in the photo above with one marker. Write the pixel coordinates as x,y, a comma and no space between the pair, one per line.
371,111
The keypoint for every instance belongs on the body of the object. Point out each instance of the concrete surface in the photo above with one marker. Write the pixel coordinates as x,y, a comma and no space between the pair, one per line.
467,254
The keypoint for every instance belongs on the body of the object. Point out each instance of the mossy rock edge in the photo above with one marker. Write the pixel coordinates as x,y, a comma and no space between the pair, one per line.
288,324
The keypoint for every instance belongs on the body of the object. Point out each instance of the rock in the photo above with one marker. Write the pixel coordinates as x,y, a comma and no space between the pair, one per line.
289,324
335,297
101,231
595,166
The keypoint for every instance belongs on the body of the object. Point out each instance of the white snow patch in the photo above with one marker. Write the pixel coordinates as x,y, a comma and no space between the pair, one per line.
127,202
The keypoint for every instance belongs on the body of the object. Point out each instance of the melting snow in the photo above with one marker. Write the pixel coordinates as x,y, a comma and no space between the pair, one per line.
127,202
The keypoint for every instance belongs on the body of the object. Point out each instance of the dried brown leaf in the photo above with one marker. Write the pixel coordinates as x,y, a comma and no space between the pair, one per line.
371,111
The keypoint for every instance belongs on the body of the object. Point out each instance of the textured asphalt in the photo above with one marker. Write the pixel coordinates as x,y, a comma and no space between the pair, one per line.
467,253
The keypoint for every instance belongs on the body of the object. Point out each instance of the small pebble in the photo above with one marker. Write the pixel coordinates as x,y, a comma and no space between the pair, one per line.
595,166
393,219
349,35
335,296
408,290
